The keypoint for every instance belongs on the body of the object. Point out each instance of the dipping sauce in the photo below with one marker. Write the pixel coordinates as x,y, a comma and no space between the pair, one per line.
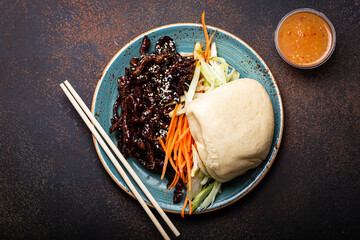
304,39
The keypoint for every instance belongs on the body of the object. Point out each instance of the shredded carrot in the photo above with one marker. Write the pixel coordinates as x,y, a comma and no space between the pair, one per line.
182,166
174,182
169,138
206,53
170,149
187,159
182,175
207,40
207,49
179,125
186,124
212,36
204,27
169,187
170,158
188,142
177,148
172,122
190,207
183,209
177,176
183,135
179,160
172,130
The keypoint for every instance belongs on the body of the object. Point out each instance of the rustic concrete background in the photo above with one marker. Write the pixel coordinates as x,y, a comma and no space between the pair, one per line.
52,185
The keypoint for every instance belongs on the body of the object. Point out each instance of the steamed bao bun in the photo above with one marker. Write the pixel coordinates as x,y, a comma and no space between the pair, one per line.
233,127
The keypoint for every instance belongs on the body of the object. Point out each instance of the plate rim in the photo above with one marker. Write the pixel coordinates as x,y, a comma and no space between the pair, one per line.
254,184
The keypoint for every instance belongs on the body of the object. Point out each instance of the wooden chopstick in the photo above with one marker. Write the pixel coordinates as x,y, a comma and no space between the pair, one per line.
122,159
116,163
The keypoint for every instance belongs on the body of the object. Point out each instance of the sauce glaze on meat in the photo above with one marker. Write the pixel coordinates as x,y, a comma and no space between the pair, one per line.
146,90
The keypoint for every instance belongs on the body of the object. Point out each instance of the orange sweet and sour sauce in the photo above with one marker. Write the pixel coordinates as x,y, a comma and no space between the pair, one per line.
304,39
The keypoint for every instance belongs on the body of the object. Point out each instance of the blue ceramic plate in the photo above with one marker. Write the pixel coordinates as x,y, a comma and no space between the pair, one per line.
238,54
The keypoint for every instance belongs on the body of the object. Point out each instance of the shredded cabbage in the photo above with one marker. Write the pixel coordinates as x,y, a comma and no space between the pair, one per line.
205,180
209,200
192,88
196,185
216,72
201,196
198,52
213,51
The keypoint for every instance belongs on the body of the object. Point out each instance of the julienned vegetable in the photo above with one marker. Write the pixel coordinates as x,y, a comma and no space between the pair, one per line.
210,72
178,150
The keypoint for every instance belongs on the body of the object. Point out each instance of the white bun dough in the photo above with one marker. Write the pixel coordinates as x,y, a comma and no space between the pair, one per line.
233,127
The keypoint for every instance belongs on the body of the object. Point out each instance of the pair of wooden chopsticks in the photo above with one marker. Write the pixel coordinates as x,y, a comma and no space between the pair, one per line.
90,121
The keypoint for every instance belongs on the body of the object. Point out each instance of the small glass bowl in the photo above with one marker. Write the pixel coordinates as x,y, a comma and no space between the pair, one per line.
332,32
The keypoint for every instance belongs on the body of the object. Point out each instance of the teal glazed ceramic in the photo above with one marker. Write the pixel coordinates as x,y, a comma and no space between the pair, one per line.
239,55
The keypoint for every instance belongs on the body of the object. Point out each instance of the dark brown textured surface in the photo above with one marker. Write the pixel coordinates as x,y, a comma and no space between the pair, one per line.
52,184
